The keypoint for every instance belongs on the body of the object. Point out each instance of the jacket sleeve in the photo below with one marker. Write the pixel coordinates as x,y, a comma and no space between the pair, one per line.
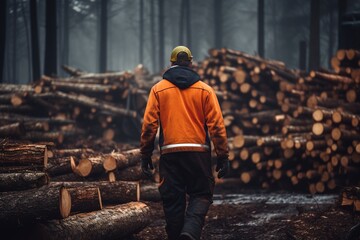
215,123
150,125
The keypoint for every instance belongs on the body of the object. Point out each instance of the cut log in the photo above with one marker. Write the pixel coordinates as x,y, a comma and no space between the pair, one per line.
244,141
59,166
79,199
12,130
73,71
22,181
122,160
23,206
23,154
149,192
111,192
90,102
133,173
109,223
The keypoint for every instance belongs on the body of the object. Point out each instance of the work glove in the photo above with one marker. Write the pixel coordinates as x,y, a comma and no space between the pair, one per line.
222,166
146,165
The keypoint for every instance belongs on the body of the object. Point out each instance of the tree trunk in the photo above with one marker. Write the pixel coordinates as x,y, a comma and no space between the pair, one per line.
41,203
50,62
103,35
314,50
23,154
342,7
109,223
141,38
22,181
302,55
153,36
3,10
14,42
261,27
161,33
181,22
331,8
28,43
218,18
35,55
188,23
65,49
111,192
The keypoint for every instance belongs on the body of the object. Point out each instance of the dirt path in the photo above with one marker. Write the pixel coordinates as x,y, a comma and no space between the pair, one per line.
266,216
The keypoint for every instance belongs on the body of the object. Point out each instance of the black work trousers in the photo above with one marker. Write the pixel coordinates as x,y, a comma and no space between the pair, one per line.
184,173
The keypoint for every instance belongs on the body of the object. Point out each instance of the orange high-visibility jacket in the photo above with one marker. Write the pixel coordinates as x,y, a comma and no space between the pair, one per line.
186,109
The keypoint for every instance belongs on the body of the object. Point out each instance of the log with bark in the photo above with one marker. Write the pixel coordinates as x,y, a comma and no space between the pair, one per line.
29,205
23,154
111,192
79,199
113,222
22,181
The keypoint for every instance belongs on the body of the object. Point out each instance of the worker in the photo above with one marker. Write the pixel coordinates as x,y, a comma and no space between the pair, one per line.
186,110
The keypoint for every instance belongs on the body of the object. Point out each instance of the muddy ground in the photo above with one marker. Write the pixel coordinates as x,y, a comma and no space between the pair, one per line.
261,215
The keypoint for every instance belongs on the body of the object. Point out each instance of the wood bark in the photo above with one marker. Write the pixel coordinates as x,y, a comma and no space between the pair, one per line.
111,223
23,154
122,160
35,50
111,192
133,173
24,206
149,191
3,7
79,199
50,67
21,181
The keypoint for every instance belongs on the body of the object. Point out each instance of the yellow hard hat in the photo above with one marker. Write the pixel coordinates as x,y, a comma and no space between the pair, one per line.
179,49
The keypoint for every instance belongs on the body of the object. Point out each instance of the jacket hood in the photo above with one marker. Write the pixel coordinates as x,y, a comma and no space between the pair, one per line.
182,77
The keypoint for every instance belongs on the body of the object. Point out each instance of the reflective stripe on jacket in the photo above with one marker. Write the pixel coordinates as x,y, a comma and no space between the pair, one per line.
184,116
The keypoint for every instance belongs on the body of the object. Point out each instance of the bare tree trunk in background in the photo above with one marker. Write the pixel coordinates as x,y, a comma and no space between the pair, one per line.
302,55
34,41
181,22
314,55
261,27
188,23
218,18
103,35
161,34
65,50
331,31
28,43
141,55
152,35
14,40
3,8
342,7
50,62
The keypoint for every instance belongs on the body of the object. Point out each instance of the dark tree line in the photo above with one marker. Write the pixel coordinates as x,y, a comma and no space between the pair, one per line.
38,36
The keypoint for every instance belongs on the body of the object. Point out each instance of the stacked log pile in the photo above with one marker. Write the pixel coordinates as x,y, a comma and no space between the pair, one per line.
288,128
33,188
350,197
103,105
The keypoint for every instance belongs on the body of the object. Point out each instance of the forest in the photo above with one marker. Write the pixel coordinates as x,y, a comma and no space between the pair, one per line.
75,77
38,36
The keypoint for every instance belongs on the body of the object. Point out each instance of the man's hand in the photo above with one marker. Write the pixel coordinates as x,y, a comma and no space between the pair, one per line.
222,166
146,165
